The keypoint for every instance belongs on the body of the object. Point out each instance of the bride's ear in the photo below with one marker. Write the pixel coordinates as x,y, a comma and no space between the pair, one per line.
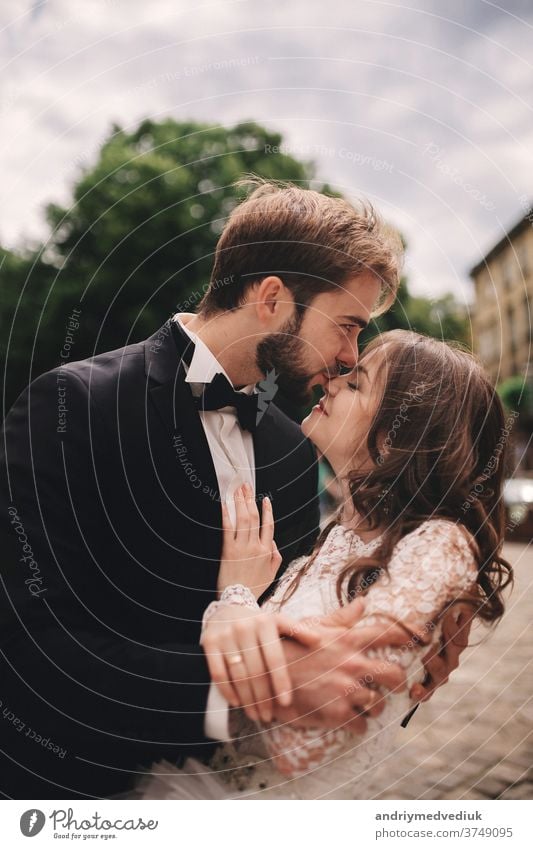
383,448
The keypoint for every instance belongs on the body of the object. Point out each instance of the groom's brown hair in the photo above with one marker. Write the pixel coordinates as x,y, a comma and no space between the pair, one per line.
313,242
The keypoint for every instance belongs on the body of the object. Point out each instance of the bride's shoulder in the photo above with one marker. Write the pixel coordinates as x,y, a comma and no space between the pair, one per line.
440,536
439,528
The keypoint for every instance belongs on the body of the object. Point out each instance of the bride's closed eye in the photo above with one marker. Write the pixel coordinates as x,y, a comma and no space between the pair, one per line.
353,386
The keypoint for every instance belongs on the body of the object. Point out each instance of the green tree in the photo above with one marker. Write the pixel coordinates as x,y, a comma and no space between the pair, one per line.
443,318
140,234
136,241
24,284
517,395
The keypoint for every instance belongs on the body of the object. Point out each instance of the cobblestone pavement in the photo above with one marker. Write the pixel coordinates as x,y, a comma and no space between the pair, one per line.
474,738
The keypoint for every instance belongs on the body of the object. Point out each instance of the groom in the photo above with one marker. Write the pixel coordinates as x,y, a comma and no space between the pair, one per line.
112,472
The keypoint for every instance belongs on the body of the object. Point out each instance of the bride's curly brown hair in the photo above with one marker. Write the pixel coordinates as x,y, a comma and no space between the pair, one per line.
438,445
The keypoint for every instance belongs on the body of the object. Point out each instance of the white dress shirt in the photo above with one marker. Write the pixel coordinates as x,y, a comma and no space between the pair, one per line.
232,450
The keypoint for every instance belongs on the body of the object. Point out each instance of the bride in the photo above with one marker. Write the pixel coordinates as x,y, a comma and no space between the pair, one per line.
415,436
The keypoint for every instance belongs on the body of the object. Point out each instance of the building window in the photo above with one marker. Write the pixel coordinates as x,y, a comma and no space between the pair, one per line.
511,333
485,289
526,318
507,268
488,344
490,289
523,259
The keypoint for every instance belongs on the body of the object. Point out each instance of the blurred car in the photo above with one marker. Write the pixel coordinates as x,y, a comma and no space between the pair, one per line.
518,500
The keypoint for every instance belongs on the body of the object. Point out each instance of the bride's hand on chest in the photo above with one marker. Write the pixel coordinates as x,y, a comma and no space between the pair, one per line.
249,554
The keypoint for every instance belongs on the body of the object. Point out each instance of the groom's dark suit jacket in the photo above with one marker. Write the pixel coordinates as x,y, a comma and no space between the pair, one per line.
110,530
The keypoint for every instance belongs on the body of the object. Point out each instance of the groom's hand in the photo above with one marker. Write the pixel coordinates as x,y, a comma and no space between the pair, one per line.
334,682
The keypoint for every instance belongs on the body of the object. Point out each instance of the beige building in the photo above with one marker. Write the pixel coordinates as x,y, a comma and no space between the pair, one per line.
501,319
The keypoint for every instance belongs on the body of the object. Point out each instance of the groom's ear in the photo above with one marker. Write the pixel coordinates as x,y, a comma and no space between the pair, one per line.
272,300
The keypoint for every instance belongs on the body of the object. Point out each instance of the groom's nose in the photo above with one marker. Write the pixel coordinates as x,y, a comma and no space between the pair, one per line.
348,355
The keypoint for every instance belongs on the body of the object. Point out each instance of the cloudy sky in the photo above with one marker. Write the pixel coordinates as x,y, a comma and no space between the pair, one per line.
425,107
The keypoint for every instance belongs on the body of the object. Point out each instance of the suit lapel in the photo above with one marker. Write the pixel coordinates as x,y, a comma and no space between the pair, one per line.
165,354
172,398
265,458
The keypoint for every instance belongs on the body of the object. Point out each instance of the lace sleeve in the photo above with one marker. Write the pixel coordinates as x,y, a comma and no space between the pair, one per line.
235,594
428,569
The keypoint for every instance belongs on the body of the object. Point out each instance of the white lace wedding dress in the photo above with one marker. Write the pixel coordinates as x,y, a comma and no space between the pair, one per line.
429,568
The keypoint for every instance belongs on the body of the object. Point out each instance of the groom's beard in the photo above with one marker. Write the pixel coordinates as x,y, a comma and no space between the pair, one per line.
284,351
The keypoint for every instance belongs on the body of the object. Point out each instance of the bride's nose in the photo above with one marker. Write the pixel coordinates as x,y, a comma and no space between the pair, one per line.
333,386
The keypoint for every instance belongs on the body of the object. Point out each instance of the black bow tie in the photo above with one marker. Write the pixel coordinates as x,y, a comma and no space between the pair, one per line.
220,393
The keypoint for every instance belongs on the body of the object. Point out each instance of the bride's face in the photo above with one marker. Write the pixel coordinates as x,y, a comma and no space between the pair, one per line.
339,424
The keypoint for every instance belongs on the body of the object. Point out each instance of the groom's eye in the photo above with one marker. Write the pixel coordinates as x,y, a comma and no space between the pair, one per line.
349,327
